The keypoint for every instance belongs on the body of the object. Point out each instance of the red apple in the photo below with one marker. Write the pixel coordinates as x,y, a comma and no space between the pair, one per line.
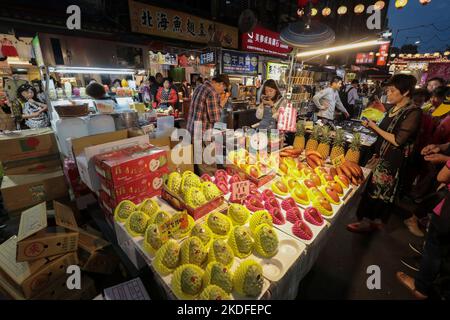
221,172
222,187
253,172
288,204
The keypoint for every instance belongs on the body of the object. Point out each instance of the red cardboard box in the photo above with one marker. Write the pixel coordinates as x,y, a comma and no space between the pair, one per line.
125,165
129,191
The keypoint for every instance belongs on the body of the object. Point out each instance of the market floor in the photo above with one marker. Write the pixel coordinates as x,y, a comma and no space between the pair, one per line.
340,271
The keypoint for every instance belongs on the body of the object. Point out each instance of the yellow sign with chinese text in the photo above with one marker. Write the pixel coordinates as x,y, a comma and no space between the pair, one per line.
175,24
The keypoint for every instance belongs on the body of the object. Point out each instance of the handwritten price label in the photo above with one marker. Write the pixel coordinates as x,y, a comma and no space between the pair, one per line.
338,161
240,190
173,225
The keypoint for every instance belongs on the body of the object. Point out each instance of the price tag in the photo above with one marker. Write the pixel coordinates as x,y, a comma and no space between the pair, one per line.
338,161
240,190
173,225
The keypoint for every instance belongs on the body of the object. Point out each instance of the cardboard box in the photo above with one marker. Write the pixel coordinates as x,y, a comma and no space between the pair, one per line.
23,191
85,148
27,279
176,149
123,166
44,164
96,254
135,189
23,144
38,240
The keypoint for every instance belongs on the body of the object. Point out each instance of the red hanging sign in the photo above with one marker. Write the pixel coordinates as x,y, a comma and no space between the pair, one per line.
265,41
382,58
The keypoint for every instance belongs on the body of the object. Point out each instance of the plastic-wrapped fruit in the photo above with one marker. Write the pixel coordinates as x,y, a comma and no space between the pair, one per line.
277,216
288,203
152,239
238,214
256,193
312,216
136,223
248,279
182,232
189,181
314,193
323,206
293,214
219,223
206,177
195,198
193,251
210,190
160,217
266,241
253,203
222,173
325,178
221,252
260,217
174,182
294,173
203,232
316,179
267,194
290,162
342,180
218,274
213,292
302,230
123,210
167,257
320,171
241,241
280,188
235,178
187,281
300,195
223,187
149,207
336,187
290,182
306,172
330,195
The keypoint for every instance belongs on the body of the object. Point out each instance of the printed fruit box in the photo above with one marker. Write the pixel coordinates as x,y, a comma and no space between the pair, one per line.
260,181
125,165
177,203
148,185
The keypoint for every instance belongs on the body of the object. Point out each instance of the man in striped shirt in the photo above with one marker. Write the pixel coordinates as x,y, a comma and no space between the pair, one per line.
207,102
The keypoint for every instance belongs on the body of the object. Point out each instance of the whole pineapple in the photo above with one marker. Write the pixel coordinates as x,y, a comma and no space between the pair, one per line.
353,153
338,145
299,140
313,140
324,145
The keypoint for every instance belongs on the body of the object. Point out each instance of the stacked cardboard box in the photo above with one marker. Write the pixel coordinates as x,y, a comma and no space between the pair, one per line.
134,173
32,169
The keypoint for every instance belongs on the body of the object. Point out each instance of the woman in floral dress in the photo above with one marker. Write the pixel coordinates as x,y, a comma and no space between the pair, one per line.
396,135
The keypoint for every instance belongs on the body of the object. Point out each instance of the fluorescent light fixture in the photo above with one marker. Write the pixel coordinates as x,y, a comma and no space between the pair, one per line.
417,42
341,48
87,70
17,61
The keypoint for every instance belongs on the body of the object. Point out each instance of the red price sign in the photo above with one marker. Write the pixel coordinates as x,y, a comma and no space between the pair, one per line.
240,190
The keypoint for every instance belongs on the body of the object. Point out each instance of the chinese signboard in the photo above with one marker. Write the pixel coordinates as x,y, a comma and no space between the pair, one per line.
382,58
276,71
364,58
234,62
266,41
175,24
208,58
160,58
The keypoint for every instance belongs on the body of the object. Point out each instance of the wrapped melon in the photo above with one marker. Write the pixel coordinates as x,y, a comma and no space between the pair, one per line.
152,239
219,223
258,218
203,232
160,217
219,275
123,210
266,241
190,180
241,242
238,214
193,251
167,258
174,182
187,281
136,223
213,292
248,279
149,207
221,252
194,197
210,190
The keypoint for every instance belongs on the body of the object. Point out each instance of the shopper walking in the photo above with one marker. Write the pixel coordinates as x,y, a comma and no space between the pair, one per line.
271,101
396,135
327,100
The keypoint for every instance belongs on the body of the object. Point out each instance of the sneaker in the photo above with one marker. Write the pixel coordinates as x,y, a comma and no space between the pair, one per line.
412,263
413,227
416,248
364,226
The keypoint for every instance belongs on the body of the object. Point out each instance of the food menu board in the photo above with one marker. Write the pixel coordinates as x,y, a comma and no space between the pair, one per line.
235,62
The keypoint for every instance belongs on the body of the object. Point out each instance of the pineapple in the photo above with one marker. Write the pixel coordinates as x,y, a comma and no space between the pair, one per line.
338,145
353,152
324,146
313,140
299,141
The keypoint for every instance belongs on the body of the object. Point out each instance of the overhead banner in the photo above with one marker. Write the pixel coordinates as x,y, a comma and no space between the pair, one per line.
208,58
364,58
265,41
178,25
382,58
234,62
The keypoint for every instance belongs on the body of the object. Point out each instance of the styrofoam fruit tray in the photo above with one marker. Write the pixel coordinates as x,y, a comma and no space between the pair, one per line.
234,295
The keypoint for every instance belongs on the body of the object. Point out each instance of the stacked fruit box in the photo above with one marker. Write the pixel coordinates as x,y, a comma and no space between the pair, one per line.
133,173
